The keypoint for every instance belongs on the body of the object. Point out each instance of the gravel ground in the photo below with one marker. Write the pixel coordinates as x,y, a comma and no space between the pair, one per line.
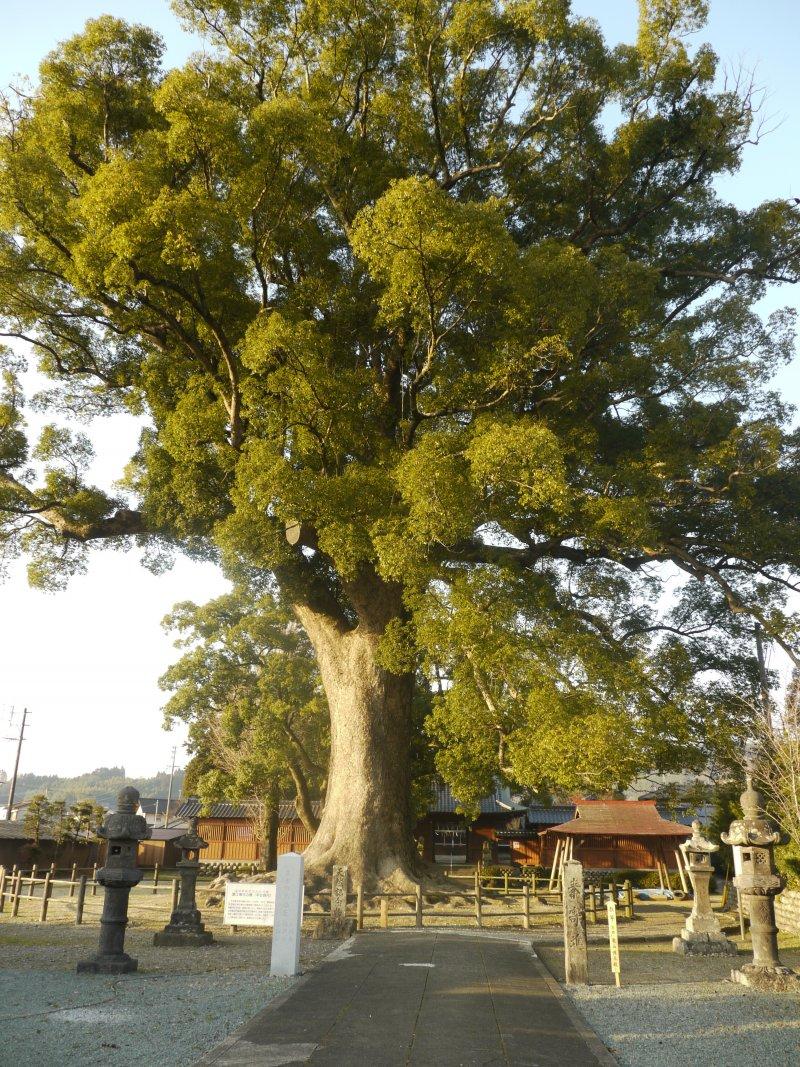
180,1004
674,1011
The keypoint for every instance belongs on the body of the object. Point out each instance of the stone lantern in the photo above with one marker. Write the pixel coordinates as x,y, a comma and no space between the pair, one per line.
754,840
123,829
185,926
702,935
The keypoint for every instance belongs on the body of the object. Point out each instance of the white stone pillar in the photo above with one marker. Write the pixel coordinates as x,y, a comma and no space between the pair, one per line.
288,916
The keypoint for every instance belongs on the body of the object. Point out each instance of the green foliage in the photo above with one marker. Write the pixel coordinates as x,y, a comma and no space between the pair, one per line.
248,687
787,860
388,273
99,786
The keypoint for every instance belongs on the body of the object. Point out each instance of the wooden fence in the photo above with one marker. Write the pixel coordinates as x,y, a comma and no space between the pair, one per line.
487,899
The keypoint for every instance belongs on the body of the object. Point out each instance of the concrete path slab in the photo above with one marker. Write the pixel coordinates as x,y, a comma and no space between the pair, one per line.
420,999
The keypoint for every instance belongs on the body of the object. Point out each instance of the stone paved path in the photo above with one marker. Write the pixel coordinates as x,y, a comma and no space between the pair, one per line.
427,999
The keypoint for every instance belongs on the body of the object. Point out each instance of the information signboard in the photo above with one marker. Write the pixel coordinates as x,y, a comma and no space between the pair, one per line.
249,904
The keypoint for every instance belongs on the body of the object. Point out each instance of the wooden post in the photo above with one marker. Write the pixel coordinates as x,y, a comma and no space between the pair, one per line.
72,879
419,905
155,878
505,883
384,913
360,908
53,869
94,880
3,877
175,888
32,883
593,904
478,916
81,899
15,894
526,907
629,897
45,898
613,941
681,872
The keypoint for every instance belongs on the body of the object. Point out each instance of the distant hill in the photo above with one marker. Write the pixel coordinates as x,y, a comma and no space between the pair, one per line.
101,785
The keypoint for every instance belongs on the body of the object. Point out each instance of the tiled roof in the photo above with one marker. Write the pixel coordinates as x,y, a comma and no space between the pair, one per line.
634,818
223,810
444,803
168,833
15,831
539,815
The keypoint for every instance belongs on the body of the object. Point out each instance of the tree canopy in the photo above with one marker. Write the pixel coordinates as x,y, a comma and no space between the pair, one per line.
447,290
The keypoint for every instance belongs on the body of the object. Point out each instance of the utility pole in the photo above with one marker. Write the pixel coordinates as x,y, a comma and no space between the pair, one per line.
169,793
13,786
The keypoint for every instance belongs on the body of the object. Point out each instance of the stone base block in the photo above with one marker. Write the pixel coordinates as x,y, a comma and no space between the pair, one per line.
330,928
168,938
703,946
768,979
108,965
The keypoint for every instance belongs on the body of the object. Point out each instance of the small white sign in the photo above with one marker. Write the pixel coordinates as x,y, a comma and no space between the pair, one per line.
249,904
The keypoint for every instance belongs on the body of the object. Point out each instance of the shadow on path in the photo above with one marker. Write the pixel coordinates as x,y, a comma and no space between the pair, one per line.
428,999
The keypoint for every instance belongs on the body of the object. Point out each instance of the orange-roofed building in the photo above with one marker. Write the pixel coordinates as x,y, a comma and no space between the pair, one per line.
605,835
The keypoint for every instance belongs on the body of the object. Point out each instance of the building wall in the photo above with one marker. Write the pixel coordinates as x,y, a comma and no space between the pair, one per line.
787,911
24,854
604,853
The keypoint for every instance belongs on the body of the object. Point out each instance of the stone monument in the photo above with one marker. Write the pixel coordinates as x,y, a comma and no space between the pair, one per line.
702,935
576,963
288,916
336,924
759,883
185,926
123,830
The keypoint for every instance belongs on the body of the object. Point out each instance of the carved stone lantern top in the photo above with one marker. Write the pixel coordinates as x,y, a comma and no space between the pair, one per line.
124,824
697,850
190,843
753,828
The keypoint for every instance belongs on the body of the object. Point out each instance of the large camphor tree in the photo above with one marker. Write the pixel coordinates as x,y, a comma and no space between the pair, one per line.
430,310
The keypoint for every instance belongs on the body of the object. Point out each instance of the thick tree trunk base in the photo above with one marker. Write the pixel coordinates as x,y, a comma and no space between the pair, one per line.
366,823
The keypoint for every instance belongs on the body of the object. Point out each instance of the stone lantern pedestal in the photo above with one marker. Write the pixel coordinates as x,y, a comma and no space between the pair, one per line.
185,926
123,830
759,883
702,935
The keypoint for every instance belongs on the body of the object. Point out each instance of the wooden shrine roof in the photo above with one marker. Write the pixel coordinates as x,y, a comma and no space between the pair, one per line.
625,818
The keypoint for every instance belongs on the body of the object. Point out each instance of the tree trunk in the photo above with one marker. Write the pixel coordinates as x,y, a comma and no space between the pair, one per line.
366,821
270,825
304,806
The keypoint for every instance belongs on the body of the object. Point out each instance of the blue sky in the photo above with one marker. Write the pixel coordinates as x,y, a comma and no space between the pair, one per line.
86,661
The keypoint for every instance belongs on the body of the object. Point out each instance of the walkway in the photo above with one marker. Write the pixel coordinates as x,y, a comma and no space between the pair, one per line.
426,999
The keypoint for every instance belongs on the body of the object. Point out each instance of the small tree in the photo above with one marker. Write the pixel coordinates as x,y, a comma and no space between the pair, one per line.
249,688
778,758
85,817
38,818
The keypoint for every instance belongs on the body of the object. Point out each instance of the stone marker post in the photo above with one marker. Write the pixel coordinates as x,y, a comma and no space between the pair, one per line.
702,935
288,916
123,829
759,883
339,893
185,926
576,963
